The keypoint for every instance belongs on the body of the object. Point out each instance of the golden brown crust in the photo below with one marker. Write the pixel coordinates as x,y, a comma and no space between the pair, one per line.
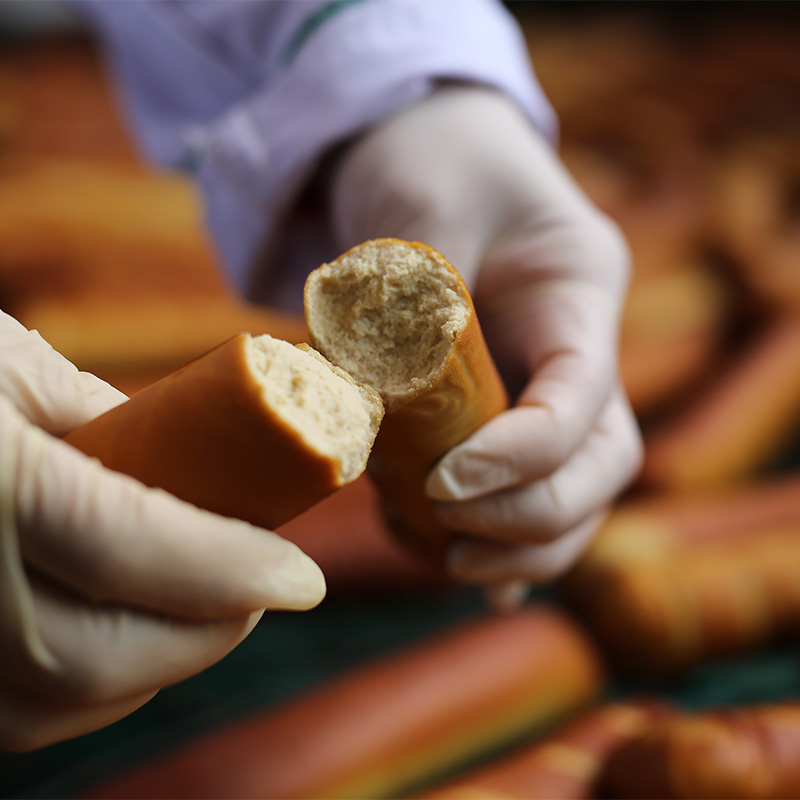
386,725
85,266
656,373
565,764
733,753
671,332
413,437
464,393
672,581
205,434
752,217
739,424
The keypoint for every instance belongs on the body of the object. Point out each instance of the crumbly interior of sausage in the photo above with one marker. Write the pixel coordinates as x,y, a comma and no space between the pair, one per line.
334,416
388,313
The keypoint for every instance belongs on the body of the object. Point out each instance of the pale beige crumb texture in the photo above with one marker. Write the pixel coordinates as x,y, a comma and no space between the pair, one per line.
388,312
335,416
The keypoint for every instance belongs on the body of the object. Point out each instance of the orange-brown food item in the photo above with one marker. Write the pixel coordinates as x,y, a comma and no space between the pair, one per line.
564,764
388,724
732,753
111,263
256,429
742,421
671,333
753,207
676,579
397,316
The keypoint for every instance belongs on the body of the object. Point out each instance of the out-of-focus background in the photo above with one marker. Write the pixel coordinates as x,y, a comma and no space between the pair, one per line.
681,121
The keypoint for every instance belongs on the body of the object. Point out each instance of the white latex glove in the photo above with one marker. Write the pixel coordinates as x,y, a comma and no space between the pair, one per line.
108,590
465,172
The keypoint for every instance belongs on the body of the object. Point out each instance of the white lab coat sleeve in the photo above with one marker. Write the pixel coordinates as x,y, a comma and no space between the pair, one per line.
250,95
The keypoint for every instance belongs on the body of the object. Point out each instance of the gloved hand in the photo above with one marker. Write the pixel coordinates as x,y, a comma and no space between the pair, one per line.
465,172
108,590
